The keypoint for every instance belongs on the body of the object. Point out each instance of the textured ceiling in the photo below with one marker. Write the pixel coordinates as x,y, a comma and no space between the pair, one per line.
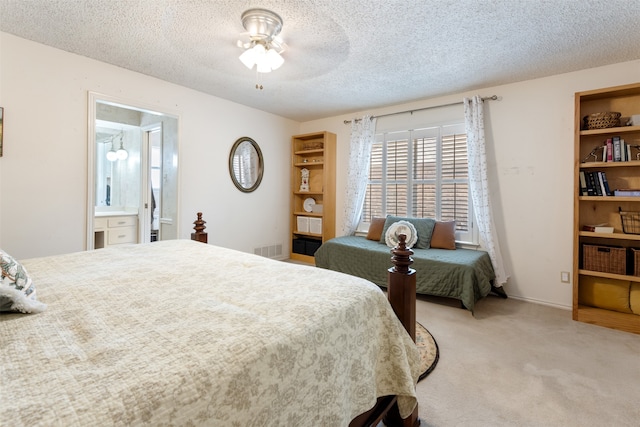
343,55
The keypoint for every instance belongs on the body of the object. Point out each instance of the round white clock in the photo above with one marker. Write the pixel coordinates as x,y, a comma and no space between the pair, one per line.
308,203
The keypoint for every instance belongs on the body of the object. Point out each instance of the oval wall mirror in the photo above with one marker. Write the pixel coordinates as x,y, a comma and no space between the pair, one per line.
246,164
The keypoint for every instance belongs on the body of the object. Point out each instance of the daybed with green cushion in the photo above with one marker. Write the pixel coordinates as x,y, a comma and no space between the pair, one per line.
463,274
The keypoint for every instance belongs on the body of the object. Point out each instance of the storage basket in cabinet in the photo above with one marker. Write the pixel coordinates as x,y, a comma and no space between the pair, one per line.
635,259
630,222
606,259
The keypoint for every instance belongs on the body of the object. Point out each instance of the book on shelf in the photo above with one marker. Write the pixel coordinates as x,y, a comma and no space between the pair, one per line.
605,184
584,190
593,183
591,190
628,149
598,228
616,149
603,191
627,192
617,156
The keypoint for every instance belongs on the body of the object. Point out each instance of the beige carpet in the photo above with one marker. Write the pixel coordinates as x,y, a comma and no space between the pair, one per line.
522,364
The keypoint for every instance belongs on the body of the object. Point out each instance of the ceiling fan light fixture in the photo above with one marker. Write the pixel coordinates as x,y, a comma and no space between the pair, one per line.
264,49
275,59
259,50
263,66
248,58
261,23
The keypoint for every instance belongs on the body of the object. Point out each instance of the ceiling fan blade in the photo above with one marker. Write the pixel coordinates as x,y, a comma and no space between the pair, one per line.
279,44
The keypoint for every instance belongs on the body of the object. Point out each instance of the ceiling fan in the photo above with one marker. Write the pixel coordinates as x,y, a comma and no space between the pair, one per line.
262,46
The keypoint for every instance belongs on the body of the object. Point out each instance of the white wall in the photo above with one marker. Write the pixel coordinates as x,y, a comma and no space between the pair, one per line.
43,174
530,153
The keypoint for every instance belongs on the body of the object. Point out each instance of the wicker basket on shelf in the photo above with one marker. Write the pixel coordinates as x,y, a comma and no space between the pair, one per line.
604,120
630,222
606,259
635,256
313,145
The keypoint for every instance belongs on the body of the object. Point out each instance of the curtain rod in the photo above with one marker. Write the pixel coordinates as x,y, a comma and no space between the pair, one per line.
488,98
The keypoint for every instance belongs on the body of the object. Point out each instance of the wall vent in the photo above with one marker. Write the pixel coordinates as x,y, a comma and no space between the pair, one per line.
272,251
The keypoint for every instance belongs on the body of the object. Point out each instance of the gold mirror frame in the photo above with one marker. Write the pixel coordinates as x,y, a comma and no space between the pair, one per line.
245,173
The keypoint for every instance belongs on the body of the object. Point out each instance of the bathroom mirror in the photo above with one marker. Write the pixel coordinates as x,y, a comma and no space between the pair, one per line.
246,164
117,167
132,173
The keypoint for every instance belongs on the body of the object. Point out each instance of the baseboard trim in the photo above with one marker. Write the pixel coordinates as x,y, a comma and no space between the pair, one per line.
541,302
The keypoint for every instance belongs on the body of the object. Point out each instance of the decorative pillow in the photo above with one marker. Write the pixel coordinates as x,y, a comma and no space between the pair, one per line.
375,228
401,227
424,228
634,297
444,235
17,292
602,292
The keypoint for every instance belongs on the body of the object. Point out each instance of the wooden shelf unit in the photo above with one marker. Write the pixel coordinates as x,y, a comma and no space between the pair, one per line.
604,209
317,153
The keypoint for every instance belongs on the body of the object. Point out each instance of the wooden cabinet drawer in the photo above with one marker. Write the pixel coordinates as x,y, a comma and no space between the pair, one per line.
122,221
100,224
120,235
115,230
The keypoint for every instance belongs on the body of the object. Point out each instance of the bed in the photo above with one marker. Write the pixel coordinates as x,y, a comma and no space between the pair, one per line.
185,333
462,274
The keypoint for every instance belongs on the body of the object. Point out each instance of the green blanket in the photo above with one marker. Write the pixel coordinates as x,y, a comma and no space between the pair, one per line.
463,274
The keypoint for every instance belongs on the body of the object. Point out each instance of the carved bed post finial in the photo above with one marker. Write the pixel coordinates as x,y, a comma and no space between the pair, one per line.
402,255
200,235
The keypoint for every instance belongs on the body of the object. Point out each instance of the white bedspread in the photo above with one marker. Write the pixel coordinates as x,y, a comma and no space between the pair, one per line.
184,333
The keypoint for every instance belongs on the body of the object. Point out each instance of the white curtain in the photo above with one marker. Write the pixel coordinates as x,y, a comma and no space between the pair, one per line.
362,137
479,185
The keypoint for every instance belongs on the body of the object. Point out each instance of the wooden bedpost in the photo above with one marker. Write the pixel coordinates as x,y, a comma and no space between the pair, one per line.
401,286
200,235
401,292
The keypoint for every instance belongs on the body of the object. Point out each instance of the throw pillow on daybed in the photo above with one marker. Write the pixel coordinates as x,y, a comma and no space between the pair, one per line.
398,228
375,228
17,292
444,235
424,228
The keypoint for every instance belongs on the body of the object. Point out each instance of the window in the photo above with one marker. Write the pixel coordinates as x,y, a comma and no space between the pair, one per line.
421,173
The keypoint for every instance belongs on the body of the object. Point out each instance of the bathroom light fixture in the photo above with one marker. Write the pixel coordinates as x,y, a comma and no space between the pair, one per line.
264,47
122,154
112,155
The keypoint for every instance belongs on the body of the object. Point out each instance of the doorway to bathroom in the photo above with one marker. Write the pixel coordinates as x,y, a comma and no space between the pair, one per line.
133,174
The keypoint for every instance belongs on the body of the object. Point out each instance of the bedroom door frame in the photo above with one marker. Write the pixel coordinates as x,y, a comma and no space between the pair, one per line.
169,216
148,201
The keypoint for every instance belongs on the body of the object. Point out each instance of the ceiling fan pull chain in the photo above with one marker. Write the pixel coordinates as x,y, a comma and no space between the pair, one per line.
258,84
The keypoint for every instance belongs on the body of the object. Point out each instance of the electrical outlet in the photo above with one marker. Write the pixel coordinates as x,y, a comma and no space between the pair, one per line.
564,276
